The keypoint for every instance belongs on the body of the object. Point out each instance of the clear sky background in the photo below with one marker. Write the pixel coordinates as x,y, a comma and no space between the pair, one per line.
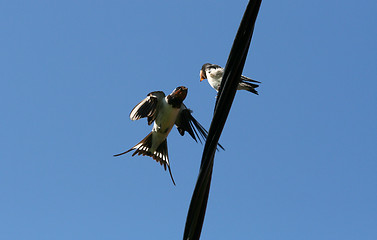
300,159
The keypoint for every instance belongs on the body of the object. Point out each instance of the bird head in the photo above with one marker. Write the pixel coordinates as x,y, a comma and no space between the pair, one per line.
206,69
179,93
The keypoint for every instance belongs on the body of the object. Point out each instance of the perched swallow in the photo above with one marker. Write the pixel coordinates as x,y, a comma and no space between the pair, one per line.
165,112
214,74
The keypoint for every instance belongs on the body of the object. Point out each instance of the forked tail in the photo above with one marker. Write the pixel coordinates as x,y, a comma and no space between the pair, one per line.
160,155
249,87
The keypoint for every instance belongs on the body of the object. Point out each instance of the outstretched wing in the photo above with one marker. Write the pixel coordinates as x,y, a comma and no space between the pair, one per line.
147,107
185,122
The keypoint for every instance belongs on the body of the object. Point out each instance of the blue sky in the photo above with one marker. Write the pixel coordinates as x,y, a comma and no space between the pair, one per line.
300,159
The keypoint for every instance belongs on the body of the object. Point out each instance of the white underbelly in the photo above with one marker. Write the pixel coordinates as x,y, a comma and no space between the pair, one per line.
215,83
163,124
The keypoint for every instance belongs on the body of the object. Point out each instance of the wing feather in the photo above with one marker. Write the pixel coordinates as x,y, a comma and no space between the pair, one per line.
185,122
243,78
147,107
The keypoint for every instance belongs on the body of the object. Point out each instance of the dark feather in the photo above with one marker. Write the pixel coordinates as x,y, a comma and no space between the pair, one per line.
144,147
147,107
249,87
243,78
186,122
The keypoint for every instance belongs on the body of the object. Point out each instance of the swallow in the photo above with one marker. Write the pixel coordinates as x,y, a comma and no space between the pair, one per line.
214,73
165,112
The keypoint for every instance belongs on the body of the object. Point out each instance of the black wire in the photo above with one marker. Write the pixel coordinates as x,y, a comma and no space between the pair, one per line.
227,91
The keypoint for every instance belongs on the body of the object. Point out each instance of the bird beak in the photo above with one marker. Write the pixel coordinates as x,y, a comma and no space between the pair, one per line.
202,75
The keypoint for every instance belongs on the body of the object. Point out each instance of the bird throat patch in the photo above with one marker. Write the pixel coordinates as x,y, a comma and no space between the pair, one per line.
175,102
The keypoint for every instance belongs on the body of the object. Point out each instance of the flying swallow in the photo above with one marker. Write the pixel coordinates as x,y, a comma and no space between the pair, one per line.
164,112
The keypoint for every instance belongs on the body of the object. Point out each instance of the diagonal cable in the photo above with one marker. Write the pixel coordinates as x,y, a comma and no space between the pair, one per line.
227,91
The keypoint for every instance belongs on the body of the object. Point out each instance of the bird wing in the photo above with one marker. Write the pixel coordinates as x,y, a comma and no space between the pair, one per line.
147,107
185,122
243,78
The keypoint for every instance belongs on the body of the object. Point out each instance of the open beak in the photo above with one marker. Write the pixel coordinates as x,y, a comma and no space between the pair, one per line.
202,75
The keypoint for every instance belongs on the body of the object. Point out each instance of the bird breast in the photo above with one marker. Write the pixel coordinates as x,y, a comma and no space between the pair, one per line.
163,123
214,78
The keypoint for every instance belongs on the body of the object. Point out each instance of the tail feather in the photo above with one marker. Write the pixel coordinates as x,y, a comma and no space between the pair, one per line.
249,87
160,155
243,78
